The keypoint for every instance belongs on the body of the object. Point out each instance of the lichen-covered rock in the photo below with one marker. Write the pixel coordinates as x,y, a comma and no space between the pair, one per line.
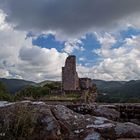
78,124
90,134
127,130
74,121
27,120
106,112
37,121
128,139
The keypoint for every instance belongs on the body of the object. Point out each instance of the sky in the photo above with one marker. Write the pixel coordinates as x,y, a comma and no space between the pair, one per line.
36,36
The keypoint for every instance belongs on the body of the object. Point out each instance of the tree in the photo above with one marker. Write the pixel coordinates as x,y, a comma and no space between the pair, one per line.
4,96
2,88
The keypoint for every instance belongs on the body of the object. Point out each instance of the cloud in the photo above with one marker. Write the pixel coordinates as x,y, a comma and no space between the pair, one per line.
82,59
70,17
41,63
72,45
19,58
121,63
3,73
106,41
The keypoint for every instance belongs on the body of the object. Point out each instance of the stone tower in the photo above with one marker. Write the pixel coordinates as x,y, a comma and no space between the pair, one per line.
70,80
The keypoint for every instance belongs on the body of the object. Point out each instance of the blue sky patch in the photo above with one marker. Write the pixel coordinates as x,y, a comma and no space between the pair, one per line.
129,32
48,41
90,42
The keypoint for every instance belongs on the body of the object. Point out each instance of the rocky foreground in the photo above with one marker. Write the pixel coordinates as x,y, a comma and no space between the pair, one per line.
28,120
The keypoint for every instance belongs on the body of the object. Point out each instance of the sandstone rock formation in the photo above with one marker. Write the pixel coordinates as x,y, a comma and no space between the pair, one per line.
38,121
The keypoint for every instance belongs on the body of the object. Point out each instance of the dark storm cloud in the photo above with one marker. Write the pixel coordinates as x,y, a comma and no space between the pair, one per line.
68,16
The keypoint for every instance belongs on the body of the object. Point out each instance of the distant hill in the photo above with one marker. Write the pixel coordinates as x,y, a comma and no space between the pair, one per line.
112,91
45,82
14,85
131,89
119,90
108,86
123,87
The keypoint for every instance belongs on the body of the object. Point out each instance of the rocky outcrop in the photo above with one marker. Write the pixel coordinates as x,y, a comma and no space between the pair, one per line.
105,111
39,121
27,120
115,112
128,129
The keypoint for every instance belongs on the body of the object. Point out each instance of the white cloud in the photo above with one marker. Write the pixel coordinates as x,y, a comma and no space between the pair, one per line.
2,18
20,59
82,59
72,45
4,73
106,40
41,63
121,63
71,17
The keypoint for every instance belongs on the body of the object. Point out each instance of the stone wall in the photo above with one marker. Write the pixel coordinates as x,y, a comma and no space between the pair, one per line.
70,80
85,83
72,84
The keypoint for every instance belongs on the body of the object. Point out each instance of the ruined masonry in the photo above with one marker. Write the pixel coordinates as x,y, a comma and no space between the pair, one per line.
70,80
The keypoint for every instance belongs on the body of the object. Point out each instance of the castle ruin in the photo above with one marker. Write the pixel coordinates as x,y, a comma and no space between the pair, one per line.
70,79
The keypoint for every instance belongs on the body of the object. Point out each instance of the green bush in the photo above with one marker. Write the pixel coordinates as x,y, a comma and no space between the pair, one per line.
21,125
2,87
6,97
53,86
33,91
116,98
